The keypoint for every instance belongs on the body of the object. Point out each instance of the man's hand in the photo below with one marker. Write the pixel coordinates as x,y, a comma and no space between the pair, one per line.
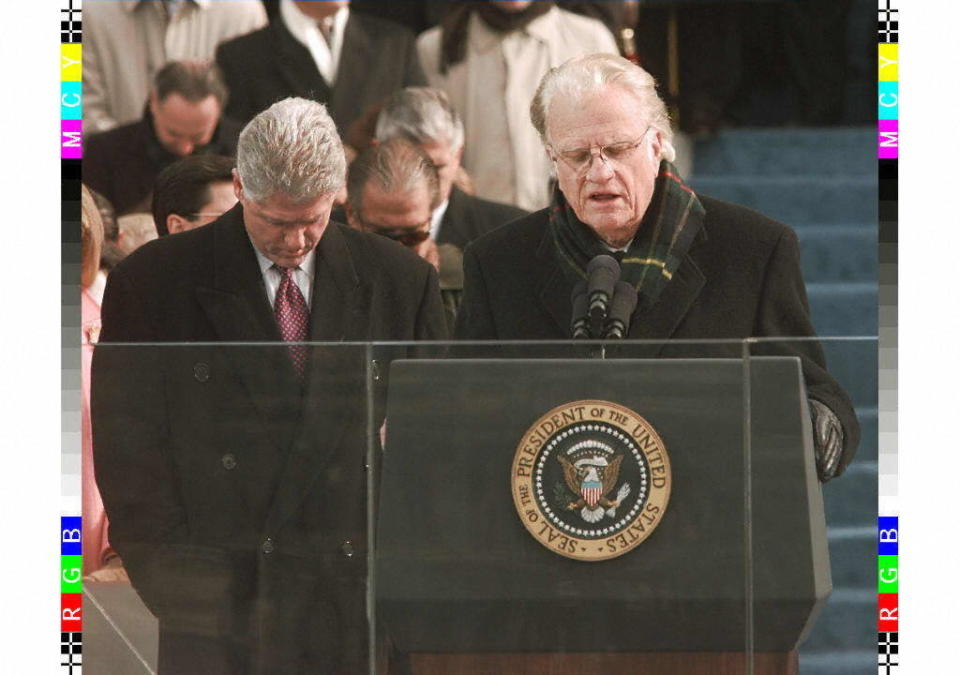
827,439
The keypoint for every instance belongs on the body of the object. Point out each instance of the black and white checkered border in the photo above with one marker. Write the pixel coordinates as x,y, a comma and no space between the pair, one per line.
71,24
71,653
888,653
888,23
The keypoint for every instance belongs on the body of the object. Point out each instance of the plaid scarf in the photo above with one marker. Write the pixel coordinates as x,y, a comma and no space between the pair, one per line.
673,220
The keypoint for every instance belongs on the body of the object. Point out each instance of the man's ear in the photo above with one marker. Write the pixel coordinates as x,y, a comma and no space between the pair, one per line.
237,185
177,223
656,145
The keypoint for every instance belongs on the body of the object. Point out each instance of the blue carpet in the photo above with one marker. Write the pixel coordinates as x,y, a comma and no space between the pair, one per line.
823,183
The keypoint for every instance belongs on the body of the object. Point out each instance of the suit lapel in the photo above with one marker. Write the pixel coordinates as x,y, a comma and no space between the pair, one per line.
353,70
333,395
553,290
298,68
237,306
453,226
678,296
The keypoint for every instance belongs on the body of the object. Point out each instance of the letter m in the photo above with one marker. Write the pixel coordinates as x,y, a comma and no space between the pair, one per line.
889,139
71,139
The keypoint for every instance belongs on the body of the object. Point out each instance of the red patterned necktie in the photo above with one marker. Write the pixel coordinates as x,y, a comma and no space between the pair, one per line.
293,317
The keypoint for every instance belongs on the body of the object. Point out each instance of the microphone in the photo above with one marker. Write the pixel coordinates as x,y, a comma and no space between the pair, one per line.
624,302
580,325
602,274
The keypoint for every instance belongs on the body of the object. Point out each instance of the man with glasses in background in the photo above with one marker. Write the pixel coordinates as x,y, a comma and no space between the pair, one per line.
392,190
701,268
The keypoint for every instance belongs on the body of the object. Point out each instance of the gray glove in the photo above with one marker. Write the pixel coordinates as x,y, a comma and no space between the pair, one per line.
827,439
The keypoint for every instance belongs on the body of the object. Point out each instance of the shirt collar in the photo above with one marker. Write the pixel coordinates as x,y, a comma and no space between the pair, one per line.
437,218
131,5
300,25
308,265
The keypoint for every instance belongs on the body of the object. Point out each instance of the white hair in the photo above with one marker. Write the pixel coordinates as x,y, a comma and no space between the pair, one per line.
583,75
422,114
291,148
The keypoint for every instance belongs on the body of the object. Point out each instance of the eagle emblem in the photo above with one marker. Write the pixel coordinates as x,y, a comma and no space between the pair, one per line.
592,480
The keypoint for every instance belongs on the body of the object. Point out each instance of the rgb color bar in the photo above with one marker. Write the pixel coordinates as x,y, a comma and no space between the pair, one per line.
888,152
71,150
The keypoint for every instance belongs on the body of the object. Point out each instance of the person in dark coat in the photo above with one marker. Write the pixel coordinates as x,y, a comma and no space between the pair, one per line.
321,51
235,476
183,117
702,268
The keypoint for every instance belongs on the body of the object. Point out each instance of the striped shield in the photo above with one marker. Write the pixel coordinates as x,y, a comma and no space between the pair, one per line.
592,491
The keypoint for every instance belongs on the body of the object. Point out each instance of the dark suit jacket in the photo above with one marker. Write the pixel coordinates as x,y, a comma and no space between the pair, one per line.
468,217
268,65
742,279
238,496
123,163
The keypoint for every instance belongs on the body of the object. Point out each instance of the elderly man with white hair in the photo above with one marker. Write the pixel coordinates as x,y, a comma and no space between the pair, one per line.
235,476
702,268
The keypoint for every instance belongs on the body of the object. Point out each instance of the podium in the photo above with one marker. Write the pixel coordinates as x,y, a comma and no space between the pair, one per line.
730,581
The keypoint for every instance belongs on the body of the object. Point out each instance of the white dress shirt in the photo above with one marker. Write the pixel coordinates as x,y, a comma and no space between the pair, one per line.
437,218
307,33
302,276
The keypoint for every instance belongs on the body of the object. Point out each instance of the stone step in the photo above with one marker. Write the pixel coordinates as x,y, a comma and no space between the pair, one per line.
848,622
838,253
850,500
869,436
827,151
839,662
799,200
844,308
853,555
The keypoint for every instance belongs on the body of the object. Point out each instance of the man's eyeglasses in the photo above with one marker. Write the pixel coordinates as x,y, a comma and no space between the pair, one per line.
579,159
407,236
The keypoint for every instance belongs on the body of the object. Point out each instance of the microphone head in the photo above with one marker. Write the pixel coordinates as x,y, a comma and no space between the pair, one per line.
624,302
603,267
602,274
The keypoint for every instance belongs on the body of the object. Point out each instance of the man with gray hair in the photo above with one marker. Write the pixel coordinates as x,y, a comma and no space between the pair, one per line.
392,189
235,477
701,268
426,117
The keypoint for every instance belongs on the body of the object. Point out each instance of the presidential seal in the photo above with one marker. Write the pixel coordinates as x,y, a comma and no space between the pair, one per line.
591,480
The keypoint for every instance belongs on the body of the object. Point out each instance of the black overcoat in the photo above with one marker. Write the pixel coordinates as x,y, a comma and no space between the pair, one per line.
741,278
468,217
237,497
122,164
268,65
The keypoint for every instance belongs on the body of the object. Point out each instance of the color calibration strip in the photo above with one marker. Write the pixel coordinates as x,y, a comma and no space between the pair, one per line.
888,152
71,150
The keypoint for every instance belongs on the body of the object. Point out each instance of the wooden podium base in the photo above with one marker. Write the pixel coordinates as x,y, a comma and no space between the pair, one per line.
632,663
